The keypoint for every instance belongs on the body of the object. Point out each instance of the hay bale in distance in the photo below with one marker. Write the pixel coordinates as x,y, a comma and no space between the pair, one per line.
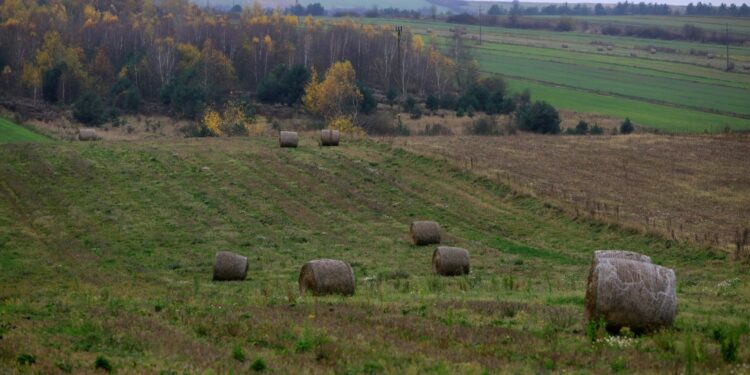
288,139
564,45
326,276
424,233
450,261
627,290
229,266
609,48
329,137
87,134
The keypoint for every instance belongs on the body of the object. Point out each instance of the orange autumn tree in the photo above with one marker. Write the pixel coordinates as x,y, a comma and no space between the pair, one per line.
336,98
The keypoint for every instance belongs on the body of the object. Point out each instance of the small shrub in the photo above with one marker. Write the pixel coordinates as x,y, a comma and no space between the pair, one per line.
102,363
238,354
26,359
415,113
432,103
448,101
540,117
258,364
729,342
409,104
484,126
627,126
596,130
582,127
89,109
618,365
460,112
391,96
596,329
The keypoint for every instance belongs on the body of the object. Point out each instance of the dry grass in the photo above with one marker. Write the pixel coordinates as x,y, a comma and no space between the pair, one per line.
693,188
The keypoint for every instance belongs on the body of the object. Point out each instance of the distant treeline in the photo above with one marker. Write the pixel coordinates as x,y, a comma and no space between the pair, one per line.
620,9
702,9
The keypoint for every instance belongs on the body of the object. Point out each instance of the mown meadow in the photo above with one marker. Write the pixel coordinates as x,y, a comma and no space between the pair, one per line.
106,251
11,132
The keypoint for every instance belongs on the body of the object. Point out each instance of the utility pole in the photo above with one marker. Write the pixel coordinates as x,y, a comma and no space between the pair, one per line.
480,25
399,29
726,39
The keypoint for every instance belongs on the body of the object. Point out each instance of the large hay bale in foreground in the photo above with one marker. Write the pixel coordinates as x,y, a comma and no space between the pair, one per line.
326,276
329,137
230,266
288,139
627,290
424,232
450,261
87,134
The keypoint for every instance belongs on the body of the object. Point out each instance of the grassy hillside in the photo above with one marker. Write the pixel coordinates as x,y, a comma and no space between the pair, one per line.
12,133
671,90
106,249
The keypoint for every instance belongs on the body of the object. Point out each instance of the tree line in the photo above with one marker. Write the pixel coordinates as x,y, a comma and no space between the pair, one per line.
184,56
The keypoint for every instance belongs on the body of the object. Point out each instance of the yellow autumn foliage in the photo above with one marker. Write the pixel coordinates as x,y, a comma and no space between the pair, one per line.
337,95
344,124
233,120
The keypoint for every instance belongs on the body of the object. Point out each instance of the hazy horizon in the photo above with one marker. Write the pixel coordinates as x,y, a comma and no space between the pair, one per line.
669,2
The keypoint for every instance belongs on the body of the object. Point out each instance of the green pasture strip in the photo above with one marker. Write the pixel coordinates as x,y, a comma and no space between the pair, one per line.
665,118
13,133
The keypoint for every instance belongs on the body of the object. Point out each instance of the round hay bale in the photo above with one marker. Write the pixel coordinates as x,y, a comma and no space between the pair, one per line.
630,293
564,45
424,232
326,276
633,54
87,134
329,137
620,254
288,139
229,266
609,48
450,261
652,50
600,49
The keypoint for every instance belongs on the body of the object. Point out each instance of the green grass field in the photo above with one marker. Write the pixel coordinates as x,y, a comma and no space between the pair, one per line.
737,26
12,133
106,251
669,91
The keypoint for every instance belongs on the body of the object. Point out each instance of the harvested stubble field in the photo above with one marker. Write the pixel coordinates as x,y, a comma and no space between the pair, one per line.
693,188
106,250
